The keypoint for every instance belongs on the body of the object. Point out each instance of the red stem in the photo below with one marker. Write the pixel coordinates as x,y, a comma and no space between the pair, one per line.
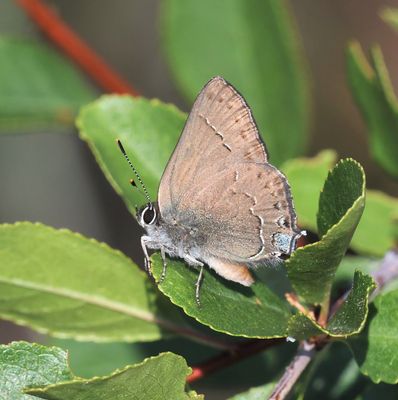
227,358
68,41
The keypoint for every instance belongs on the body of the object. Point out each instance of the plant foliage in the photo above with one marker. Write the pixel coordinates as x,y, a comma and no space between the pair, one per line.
66,285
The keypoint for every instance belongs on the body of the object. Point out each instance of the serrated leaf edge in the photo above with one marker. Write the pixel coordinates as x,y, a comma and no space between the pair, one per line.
38,390
358,199
38,346
334,335
93,300
333,227
209,324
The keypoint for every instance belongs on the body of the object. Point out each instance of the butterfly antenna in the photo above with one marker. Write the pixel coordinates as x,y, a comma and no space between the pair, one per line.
134,185
132,182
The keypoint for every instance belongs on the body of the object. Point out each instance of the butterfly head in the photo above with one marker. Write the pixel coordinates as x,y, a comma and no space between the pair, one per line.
148,215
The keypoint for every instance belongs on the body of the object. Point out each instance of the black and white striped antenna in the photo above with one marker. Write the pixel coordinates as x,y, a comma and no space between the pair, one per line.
145,191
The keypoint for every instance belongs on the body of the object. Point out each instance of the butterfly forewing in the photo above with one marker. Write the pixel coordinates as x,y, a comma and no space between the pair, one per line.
218,182
220,130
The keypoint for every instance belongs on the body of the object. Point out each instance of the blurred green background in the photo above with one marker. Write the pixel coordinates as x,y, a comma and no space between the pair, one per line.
53,178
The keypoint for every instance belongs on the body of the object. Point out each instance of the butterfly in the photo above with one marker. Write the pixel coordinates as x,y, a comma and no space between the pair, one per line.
220,202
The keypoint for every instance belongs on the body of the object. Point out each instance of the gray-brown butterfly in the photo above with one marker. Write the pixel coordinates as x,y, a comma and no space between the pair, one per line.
220,202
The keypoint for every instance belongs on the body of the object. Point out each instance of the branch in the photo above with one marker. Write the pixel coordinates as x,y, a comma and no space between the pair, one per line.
294,370
242,351
385,273
75,48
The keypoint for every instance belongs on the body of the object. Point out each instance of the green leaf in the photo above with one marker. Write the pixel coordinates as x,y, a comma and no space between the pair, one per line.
156,378
375,232
311,269
255,46
149,131
390,16
352,263
227,307
38,88
334,375
88,359
373,92
192,395
256,393
349,319
395,230
27,364
375,349
61,283
379,391
306,177
302,327
344,186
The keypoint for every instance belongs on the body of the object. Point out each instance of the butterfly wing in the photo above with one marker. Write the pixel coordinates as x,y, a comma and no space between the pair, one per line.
220,130
219,183
247,214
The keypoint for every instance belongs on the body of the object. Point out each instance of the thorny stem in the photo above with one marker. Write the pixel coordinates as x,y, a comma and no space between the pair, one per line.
77,50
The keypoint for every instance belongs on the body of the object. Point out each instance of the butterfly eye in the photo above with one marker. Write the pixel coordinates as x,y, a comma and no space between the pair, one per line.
149,215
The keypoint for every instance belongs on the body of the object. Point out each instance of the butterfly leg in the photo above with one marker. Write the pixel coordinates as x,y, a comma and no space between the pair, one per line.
193,261
163,254
196,263
198,285
147,260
